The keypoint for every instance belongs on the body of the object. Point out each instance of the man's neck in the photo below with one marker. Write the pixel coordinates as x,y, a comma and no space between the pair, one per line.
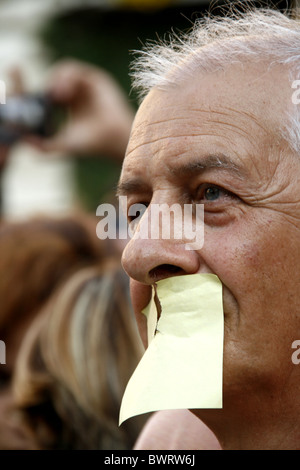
263,429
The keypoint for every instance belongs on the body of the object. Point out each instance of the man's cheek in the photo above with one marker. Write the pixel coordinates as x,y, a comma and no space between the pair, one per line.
237,259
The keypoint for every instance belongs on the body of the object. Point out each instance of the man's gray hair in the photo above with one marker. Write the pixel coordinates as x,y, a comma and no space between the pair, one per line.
216,42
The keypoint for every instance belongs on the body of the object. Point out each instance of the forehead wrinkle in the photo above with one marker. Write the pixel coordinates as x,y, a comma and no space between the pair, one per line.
161,121
235,128
239,128
139,131
159,139
212,161
235,120
249,115
229,112
131,186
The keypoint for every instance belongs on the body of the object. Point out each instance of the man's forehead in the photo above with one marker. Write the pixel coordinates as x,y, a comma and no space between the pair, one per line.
254,89
238,109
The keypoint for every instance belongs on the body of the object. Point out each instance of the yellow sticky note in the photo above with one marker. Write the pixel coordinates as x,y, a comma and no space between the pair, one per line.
182,368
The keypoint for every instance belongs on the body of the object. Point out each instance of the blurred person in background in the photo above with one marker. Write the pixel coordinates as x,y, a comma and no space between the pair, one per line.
75,362
35,257
99,119
96,115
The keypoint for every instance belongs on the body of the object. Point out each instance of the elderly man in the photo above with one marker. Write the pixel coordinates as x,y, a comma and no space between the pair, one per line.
219,126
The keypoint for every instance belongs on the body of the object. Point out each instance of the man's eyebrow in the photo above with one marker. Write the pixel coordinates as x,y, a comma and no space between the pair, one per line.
209,162
135,185
131,186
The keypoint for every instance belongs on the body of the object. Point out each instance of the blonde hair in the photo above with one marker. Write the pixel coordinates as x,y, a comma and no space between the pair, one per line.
78,358
36,255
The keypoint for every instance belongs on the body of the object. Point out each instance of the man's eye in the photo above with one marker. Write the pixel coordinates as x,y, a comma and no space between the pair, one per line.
211,193
135,212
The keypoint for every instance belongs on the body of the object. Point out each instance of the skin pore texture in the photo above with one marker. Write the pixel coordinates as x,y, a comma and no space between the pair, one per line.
216,140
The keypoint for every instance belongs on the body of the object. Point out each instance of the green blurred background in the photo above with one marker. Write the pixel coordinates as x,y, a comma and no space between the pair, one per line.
107,39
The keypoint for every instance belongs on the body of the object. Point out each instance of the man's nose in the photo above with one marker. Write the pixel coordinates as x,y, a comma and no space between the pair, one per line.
150,260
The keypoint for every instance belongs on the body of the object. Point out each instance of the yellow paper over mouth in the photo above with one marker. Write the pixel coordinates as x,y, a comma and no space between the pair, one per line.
182,368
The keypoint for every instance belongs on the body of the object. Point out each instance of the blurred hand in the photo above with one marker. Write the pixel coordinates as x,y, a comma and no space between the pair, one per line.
99,114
